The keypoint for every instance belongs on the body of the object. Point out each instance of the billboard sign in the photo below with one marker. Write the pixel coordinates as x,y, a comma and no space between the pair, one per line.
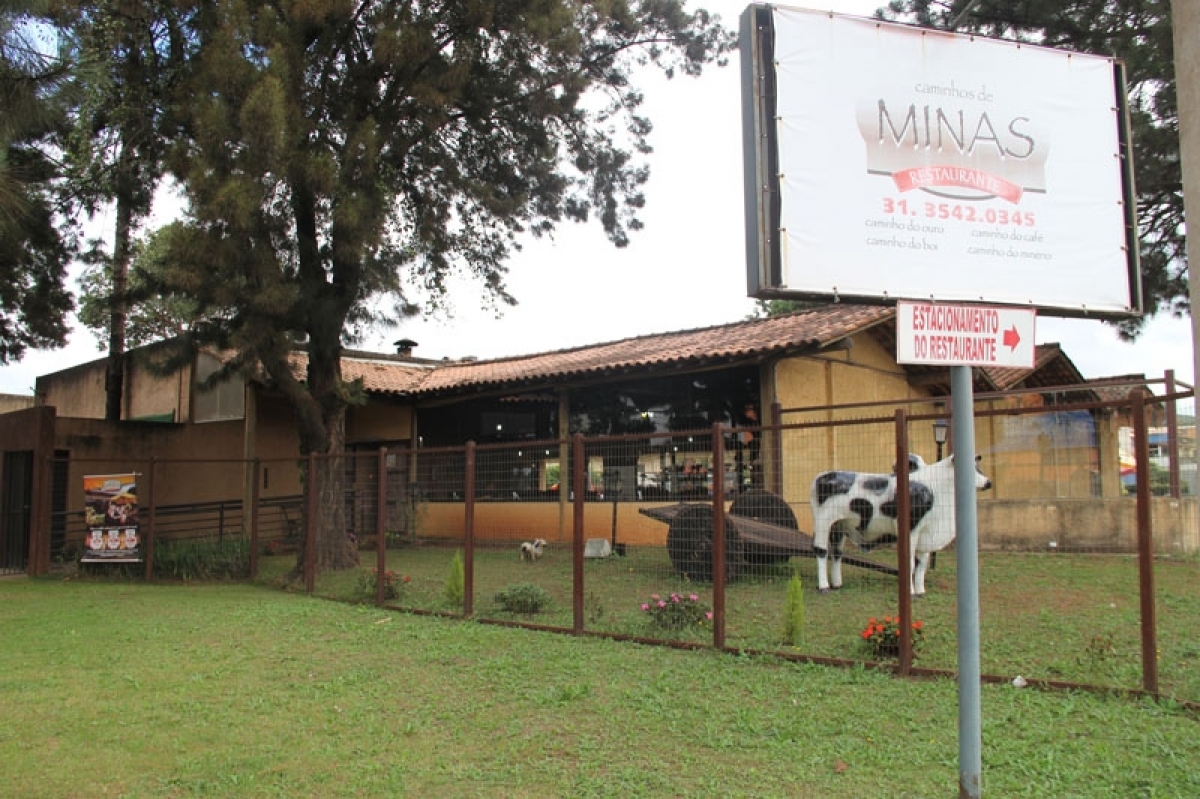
888,162
965,335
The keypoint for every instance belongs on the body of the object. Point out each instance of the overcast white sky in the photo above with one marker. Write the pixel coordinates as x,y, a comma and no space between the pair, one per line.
686,269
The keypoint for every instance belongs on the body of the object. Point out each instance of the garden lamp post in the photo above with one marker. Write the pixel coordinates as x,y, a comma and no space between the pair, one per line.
940,428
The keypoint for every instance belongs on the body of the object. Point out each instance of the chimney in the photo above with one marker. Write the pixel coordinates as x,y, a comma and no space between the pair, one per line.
404,346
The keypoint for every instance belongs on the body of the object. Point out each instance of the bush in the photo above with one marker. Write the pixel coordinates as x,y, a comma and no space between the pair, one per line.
393,584
676,611
882,636
203,559
455,588
525,598
793,613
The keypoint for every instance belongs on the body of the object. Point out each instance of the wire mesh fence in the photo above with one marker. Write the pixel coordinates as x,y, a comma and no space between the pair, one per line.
701,537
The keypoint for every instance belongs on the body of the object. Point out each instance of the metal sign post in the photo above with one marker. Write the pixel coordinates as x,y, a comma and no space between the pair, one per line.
970,733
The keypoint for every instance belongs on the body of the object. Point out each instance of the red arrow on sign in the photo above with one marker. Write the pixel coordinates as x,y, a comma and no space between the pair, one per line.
1012,338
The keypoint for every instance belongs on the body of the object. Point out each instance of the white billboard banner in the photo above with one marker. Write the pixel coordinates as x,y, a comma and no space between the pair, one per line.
888,162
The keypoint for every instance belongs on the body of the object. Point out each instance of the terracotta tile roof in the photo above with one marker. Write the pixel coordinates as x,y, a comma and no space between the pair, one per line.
737,342
380,374
1045,358
384,376
1117,387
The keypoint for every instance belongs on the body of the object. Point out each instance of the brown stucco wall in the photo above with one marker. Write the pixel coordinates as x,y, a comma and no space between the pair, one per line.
99,447
378,422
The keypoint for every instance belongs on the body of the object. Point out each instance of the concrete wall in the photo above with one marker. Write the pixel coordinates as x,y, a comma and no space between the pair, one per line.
148,394
1081,525
77,392
15,402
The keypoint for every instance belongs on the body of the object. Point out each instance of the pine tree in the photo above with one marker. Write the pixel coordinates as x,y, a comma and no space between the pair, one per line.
335,152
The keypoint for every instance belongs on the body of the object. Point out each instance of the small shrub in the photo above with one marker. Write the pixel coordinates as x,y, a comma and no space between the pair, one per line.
203,559
882,636
676,611
393,584
793,612
455,588
1101,647
525,598
595,608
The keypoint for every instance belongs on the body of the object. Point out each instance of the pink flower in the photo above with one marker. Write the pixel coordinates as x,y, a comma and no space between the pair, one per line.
645,606
693,597
708,615
662,604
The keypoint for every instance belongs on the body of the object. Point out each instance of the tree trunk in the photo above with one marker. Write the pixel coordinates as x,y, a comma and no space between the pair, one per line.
114,373
335,549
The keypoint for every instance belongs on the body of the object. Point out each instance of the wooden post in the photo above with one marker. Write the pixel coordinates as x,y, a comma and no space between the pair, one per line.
469,534
903,543
718,534
1145,536
380,526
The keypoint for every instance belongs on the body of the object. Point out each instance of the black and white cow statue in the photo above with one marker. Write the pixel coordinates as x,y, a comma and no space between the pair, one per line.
864,505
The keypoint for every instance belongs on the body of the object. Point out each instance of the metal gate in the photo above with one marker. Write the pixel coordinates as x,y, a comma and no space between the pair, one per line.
15,497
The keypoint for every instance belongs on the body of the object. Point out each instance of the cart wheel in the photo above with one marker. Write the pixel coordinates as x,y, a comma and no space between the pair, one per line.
763,506
689,542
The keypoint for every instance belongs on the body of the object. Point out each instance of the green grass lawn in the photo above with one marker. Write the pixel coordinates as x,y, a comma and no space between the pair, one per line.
1053,617
113,688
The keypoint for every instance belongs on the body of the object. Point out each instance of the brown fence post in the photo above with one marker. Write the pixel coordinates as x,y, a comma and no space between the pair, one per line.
903,544
469,534
577,542
578,491
1145,532
777,449
310,525
380,519
256,471
1172,434
153,507
718,535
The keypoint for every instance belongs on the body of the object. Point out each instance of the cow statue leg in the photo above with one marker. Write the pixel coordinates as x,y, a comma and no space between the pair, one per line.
920,564
836,537
822,569
821,550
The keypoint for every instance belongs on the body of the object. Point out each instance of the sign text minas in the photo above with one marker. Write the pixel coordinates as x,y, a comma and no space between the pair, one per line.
935,123
969,153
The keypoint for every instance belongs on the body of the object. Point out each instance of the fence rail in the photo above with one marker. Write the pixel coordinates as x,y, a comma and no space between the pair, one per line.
630,521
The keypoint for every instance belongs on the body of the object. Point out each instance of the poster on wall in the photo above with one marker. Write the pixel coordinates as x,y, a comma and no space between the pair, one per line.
111,515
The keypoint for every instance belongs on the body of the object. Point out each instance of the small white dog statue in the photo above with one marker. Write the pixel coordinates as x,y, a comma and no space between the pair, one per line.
532,550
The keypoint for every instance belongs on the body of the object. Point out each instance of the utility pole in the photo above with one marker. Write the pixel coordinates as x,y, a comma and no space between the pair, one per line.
1185,18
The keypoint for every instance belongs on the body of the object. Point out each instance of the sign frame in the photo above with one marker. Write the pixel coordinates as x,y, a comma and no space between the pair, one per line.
785,259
